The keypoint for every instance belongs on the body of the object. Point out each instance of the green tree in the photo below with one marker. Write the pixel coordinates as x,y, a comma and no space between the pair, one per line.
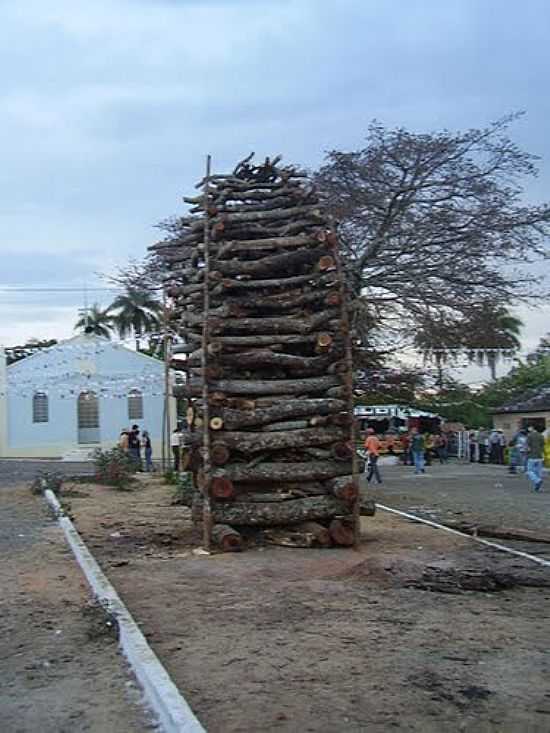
96,320
136,312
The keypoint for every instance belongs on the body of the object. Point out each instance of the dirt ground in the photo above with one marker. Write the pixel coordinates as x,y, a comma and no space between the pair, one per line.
417,631
60,670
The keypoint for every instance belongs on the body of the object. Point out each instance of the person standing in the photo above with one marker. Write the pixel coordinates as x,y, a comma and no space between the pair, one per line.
501,447
428,448
522,448
472,440
482,440
148,451
124,441
175,443
535,445
406,444
372,446
417,449
440,444
494,442
134,445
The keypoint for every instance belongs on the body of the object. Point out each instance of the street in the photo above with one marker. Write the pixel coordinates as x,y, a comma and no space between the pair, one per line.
465,492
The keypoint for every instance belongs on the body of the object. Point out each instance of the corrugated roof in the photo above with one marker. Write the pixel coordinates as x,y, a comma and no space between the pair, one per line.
535,400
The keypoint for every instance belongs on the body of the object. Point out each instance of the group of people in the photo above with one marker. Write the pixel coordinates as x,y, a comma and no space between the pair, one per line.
526,451
418,451
132,441
487,446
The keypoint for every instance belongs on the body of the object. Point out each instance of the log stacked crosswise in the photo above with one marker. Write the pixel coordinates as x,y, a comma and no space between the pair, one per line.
259,302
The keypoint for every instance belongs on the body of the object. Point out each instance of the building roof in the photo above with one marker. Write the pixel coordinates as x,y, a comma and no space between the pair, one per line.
535,400
84,339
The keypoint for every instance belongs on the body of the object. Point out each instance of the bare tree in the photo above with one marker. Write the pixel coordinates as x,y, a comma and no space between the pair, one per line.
435,223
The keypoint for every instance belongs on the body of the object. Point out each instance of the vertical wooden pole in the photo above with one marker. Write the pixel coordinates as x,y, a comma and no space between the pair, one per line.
166,458
207,513
348,376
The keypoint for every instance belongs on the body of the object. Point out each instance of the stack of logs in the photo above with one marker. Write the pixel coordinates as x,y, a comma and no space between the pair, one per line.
259,300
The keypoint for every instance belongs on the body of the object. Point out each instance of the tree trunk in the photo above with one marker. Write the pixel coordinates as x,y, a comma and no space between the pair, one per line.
247,442
271,514
276,471
227,538
304,386
235,419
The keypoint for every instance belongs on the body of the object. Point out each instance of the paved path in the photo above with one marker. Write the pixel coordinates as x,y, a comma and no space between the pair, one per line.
469,492
14,470
60,669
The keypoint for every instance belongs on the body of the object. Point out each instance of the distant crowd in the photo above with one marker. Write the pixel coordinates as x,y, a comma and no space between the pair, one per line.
133,442
418,450
527,451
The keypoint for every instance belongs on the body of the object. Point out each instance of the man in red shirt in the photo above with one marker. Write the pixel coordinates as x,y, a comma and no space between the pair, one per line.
372,446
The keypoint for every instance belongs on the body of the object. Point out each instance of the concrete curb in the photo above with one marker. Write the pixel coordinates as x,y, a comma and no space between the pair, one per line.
161,694
487,543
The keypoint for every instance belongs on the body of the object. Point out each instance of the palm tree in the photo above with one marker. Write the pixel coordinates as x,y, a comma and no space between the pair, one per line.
137,312
96,320
493,332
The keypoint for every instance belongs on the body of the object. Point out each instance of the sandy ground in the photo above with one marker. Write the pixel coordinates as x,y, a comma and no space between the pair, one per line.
416,631
60,670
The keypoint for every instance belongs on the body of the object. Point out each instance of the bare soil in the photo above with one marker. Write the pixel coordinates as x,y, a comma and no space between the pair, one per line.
417,631
60,670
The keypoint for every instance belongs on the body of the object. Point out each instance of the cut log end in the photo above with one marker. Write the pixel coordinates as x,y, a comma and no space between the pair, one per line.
341,532
222,488
227,538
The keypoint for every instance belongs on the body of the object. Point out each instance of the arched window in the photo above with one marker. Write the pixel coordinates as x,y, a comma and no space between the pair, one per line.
40,412
88,417
135,405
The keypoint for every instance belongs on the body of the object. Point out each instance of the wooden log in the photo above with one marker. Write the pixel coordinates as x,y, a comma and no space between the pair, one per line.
253,442
319,532
286,425
367,507
234,419
270,325
346,490
219,453
221,488
266,357
275,283
227,538
307,385
285,262
341,532
342,451
247,245
276,471
270,514
324,338
270,215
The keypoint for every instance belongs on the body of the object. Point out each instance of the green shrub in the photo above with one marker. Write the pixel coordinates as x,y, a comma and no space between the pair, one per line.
170,477
184,490
115,468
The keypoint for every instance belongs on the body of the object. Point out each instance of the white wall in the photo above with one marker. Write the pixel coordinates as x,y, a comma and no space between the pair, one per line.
63,366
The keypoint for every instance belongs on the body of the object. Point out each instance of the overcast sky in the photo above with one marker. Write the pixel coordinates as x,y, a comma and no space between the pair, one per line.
109,107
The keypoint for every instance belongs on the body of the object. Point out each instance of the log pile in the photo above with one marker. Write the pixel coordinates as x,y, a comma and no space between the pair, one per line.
258,298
